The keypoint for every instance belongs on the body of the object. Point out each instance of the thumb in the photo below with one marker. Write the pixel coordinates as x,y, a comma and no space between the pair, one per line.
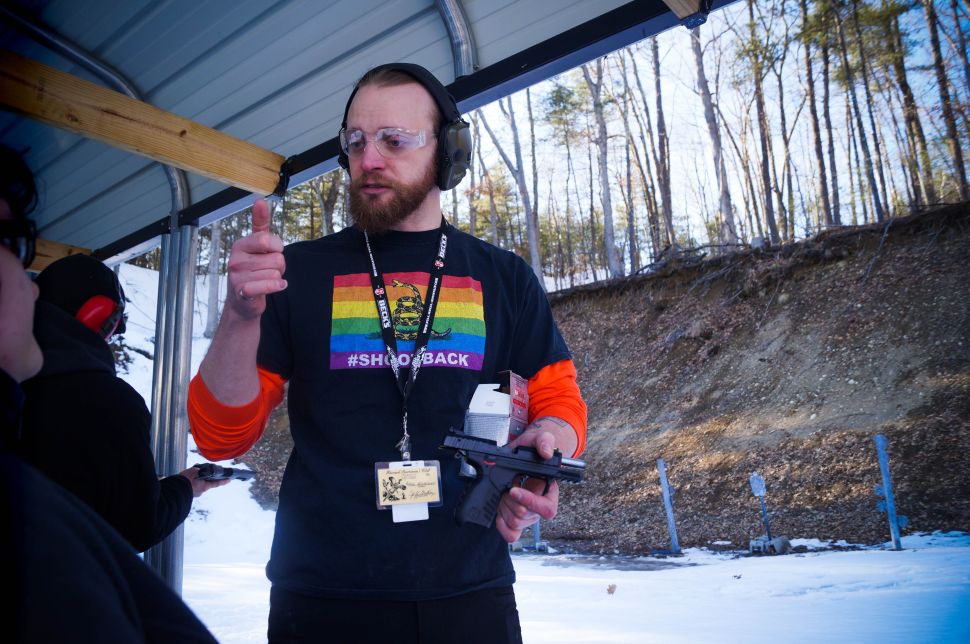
260,216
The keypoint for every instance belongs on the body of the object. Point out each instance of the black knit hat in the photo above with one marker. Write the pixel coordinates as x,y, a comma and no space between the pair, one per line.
71,281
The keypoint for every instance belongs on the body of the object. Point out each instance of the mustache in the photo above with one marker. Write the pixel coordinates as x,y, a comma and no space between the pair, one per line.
371,178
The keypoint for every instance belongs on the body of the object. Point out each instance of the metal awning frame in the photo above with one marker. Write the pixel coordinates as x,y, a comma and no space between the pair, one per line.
614,30
178,233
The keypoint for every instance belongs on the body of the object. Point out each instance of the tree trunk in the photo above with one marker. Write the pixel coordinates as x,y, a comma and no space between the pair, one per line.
215,252
823,184
962,46
656,226
906,160
492,210
728,233
860,128
472,188
535,170
953,137
876,144
763,130
631,158
921,166
613,262
518,173
593,245
854,149
784,182
754,214
631,221
663,148
559,259
787,211
570,260
836,201
328,200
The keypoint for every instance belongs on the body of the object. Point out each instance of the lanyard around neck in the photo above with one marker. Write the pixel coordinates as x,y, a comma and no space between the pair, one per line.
405,379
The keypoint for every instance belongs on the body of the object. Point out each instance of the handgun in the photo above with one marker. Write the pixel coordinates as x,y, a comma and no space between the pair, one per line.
497,468
213,472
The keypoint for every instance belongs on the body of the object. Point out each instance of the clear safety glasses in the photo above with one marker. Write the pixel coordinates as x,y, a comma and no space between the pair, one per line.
390,141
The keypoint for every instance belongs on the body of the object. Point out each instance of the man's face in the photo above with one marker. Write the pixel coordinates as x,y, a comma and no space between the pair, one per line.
20,355
384,191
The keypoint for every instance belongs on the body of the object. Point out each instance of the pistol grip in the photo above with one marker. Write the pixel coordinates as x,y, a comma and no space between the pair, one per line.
480,499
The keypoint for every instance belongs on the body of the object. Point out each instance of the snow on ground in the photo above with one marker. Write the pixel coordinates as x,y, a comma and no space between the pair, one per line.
871,594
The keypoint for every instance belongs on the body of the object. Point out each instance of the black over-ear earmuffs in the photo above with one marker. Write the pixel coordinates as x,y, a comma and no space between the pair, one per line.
454,137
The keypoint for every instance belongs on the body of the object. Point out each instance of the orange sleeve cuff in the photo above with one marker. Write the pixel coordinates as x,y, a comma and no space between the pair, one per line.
553,391
223,431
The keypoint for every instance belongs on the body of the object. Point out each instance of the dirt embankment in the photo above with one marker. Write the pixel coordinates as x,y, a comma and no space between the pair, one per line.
786,362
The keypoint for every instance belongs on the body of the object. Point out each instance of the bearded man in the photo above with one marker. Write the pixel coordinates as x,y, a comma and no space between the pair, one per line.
383,331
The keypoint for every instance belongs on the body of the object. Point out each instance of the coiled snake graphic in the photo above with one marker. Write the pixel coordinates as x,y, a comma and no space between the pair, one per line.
407,314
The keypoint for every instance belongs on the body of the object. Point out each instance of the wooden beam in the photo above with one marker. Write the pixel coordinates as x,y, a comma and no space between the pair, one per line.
65,101
683,8
50,251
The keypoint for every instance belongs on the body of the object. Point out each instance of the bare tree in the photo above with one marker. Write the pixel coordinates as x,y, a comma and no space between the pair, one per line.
326,188
853,148
865,74
613,263
823,185
560,108
492,210
919,156
215,252
657,150
535,168
632,156
953,138
961,45
764,133
728,231
861,130
518,173
824,34
472,187
663,146
787,210
593,247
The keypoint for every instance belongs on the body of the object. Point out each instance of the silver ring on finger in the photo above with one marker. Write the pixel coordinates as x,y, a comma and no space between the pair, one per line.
243,296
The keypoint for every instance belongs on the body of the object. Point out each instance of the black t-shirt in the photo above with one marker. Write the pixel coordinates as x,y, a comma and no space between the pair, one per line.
322,333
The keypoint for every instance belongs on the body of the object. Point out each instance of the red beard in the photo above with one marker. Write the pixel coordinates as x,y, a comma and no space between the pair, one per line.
377,215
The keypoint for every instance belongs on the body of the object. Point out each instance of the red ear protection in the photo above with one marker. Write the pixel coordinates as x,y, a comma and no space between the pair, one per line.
101,314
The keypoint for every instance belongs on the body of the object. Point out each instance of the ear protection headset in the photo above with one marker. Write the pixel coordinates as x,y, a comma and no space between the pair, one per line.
454,137
101,314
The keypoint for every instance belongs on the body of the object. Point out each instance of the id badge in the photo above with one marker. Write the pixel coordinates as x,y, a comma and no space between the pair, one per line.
408,488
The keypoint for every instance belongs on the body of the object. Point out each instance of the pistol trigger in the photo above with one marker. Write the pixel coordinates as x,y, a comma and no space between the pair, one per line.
546,488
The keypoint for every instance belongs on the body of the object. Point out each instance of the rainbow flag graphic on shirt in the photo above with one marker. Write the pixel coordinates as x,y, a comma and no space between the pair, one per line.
458,330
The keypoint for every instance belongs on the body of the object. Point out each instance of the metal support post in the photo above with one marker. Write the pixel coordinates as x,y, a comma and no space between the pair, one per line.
668,506
882,451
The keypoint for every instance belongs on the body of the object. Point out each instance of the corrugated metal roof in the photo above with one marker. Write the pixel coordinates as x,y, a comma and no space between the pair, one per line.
276,74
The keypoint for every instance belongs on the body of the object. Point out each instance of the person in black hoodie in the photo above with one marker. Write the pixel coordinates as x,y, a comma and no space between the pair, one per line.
86,428
69,576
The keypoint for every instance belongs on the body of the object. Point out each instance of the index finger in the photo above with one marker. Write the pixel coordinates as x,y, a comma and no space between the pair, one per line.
545,505
260,216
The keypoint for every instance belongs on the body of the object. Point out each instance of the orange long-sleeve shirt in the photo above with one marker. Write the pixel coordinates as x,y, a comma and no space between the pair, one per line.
222,431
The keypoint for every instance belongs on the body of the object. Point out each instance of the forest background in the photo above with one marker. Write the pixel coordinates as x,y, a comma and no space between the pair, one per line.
771,122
